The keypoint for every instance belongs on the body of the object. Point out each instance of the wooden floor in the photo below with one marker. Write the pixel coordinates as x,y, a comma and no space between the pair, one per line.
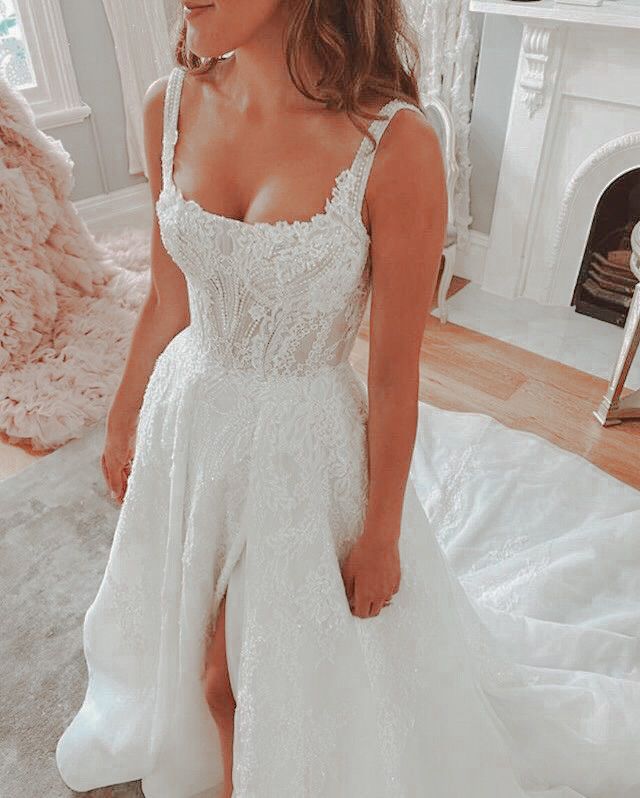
466,371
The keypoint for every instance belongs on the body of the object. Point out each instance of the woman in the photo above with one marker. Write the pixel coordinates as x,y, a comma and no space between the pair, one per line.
276,617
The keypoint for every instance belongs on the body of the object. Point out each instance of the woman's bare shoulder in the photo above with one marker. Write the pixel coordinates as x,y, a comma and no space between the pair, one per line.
408,170
409,125
154,98
153,121
153,101
153,113
409,145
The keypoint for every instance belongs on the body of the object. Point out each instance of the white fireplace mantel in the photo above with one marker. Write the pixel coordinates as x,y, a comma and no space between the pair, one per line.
611,14
574,127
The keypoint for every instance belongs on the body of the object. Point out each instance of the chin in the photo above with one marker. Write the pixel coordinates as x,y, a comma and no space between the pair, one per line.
206,46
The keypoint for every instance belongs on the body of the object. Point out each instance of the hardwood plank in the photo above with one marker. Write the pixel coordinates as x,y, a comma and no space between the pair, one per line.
467,371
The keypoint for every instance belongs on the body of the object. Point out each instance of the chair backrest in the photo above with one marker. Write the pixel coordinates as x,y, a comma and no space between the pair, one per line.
442,120
635,250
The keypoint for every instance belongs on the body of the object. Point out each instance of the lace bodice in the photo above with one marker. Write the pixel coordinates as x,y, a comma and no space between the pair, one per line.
272,297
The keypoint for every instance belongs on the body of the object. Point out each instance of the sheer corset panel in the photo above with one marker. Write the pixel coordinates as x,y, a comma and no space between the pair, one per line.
276,298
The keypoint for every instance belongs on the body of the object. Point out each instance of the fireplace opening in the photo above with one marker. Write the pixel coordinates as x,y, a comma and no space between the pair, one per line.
605,282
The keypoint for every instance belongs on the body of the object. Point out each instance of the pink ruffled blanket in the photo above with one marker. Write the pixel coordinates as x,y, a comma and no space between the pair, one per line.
68,303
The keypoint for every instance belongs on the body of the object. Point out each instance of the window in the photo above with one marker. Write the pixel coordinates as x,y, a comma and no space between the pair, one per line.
15,62
35,58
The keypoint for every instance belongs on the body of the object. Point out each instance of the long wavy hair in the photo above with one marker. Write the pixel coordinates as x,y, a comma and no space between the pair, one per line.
365,49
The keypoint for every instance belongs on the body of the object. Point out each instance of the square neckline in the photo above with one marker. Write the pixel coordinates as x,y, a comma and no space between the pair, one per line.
294,224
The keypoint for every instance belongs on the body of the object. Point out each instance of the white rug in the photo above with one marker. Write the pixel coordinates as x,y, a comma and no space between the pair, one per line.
558,333
532,531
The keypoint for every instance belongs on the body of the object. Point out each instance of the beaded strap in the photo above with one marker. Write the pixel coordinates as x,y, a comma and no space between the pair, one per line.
170,122
363,162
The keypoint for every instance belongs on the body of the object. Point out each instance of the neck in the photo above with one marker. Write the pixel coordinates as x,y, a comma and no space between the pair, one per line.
258,78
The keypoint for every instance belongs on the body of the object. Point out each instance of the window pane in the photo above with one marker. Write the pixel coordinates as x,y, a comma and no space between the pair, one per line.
15,63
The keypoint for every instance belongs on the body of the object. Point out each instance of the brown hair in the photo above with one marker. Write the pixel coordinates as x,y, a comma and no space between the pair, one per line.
365,49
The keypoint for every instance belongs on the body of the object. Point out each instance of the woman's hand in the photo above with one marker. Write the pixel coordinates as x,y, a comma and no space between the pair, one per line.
117,455
371,575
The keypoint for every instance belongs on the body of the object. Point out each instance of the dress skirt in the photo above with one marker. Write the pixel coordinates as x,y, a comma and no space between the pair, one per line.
257,486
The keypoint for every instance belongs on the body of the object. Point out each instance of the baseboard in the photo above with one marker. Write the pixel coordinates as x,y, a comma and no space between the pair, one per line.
128,207
470,263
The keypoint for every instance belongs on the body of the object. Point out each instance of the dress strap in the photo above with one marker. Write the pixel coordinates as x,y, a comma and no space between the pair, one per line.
363,161
170,122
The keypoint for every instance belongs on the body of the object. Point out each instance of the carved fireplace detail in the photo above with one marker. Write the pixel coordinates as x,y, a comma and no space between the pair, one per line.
573,129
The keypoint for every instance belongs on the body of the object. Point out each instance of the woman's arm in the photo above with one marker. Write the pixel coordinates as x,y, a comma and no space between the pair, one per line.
164,313
407,205
407,210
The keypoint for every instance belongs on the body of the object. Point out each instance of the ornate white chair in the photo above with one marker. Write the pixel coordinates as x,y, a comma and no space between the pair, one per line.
613,409
442,120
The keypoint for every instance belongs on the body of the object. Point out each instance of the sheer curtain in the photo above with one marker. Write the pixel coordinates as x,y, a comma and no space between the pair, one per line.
448,35
141,34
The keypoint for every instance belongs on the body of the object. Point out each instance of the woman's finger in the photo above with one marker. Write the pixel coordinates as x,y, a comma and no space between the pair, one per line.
377,607
348,582
103,466
116,480
109,477
123,485
355,602
117,487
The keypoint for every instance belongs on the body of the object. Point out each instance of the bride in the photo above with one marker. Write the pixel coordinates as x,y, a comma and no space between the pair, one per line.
276,617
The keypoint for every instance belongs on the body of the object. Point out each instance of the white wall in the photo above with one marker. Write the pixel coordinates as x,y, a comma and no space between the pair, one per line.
98,144
497,64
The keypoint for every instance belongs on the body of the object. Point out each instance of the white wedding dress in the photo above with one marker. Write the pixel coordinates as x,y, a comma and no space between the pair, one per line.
250,474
